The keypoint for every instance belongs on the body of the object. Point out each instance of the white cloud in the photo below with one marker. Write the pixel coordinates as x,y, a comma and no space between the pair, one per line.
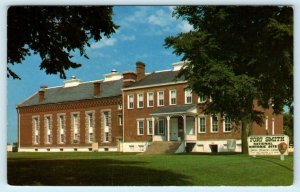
184,26
105,42
127,37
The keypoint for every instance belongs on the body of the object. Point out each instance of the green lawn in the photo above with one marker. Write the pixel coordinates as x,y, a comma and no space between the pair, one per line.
115,169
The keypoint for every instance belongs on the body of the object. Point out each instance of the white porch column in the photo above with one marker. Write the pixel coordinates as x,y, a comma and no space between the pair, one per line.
153,126
168,128
273,126
196,125
184,126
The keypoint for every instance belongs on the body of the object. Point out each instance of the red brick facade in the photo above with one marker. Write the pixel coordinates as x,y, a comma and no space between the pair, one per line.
97,106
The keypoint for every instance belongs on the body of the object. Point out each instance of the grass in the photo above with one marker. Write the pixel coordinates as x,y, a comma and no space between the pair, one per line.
122,169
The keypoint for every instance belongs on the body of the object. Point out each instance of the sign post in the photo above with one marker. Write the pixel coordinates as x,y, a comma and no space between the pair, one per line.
268,145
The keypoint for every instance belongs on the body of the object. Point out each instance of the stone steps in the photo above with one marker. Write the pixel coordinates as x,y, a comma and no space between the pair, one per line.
162,147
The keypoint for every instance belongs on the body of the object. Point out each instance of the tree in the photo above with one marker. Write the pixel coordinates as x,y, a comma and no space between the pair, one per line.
288,125
53,32
238,54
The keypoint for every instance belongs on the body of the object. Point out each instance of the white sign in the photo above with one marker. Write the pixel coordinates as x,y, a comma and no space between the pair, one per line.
268,145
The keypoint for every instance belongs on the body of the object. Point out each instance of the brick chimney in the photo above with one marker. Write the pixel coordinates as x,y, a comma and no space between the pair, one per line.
128,78
42,93
140,70
96,89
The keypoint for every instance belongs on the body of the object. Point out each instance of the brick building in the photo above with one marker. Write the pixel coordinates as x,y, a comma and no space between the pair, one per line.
127,112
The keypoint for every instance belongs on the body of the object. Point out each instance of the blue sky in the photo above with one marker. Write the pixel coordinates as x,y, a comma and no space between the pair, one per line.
140,38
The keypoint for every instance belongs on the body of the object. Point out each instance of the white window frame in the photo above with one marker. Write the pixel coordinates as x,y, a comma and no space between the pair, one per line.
170,97
120,106
163,98
164,127
75,119
106,126
150,122
148,99
138,121
211,124
48,129
199,126
36,127
140,96
224,125
62,129
120,119
188,93
129,102
201,96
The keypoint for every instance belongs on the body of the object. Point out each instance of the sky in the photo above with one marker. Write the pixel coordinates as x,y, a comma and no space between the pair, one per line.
140,38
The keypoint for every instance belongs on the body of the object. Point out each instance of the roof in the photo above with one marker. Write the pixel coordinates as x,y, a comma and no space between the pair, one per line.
175,109
83,91
158,78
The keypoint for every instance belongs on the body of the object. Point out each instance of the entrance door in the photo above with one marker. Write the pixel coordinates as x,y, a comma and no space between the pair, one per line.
173,129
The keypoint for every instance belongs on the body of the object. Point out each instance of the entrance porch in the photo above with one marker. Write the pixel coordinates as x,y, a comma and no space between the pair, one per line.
175,123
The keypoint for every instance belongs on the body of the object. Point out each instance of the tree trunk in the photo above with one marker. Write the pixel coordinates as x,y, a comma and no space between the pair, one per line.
246,124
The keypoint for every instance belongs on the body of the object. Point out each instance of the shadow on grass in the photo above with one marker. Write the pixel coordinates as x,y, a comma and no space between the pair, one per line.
93,172
274,162
211,154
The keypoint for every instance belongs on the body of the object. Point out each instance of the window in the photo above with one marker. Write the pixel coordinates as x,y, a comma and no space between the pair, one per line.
150,127
91,135
160,98
188,96
90,126
130,102
201,98
106,126
227,124
48,129
61,121
120,106
36,129
120,118
106,139
202,125
140,100
161,126
140,127
173,97
75,124
150,99
214,123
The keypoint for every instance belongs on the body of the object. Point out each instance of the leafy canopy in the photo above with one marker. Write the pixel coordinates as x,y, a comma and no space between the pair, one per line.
53,32
238,54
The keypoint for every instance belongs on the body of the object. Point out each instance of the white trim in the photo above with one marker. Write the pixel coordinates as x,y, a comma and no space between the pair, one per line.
149,100
128,101
266,124
224,121
158,104
138,100
211,125
148,120
185,96
199,124
120,122
155,85
137,125
170,96
199,101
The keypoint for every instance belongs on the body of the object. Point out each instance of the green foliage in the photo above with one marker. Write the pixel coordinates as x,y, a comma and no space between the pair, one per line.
238,54
53,32
288,126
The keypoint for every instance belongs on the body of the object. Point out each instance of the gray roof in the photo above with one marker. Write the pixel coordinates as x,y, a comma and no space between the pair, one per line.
158,78
174,109
81,92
